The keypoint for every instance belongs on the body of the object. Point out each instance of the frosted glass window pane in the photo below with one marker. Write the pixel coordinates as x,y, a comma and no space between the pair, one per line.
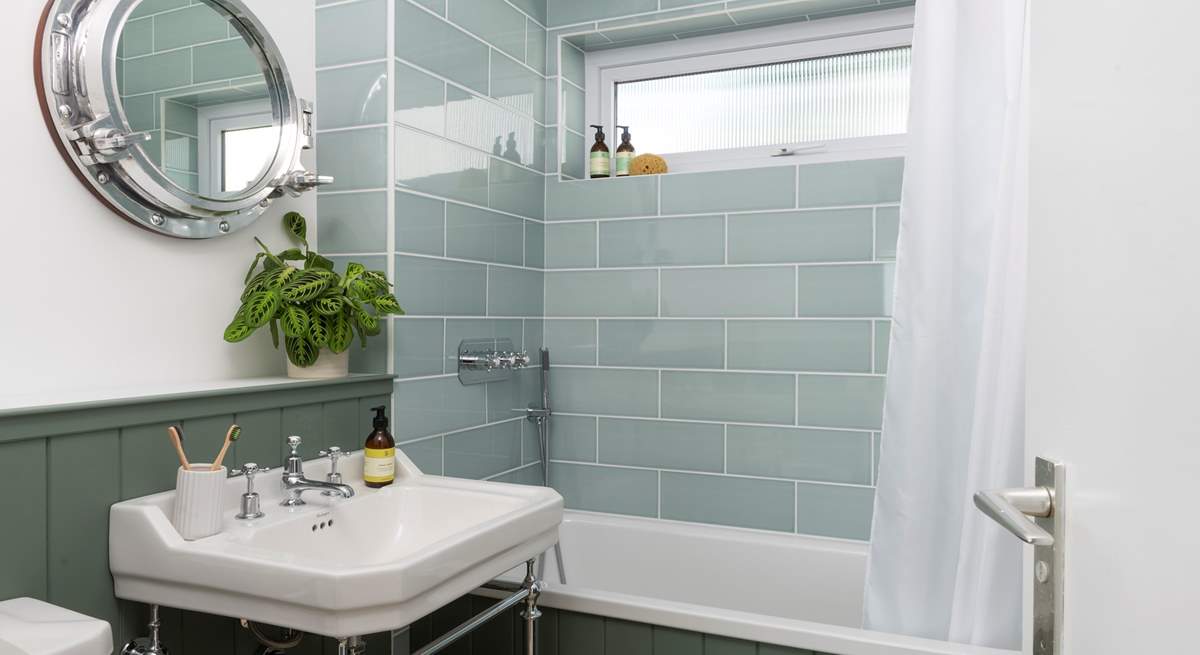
838,97
244,152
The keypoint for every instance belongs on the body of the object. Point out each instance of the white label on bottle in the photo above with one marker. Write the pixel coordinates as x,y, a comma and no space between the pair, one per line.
379,465
598,164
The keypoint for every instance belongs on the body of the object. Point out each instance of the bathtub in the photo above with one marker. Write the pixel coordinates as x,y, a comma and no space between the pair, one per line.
802,592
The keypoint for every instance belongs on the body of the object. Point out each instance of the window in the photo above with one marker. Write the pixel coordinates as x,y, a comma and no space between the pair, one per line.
848,96
242,154
834,88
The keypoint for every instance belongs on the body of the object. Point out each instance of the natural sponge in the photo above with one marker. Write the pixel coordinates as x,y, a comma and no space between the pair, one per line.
647,164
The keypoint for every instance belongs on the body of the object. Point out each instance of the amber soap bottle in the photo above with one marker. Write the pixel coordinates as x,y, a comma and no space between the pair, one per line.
379,460
599,159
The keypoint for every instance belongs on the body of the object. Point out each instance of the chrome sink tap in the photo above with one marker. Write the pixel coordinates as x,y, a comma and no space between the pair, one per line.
294,482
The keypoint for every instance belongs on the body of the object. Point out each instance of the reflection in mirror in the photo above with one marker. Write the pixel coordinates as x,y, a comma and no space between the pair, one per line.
187,76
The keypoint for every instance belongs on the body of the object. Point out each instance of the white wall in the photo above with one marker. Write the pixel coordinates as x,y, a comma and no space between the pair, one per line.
90,301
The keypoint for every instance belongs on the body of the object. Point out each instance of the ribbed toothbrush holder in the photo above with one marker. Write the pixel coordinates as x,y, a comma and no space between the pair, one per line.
198,505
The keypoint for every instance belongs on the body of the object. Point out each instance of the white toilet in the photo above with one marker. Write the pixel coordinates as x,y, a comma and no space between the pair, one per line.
31,627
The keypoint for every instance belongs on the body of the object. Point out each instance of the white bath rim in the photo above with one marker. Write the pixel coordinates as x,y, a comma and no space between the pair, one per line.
794,633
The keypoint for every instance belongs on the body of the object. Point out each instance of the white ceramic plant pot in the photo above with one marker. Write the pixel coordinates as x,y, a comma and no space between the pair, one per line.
328,365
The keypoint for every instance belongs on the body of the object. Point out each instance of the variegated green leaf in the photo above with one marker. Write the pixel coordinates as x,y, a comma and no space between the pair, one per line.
300,351
354,270
295,224
318,330
369,323
386,305
317,262
377,279
238,330
274,333
328,305
340,333
295,321
261,307
307,286
280,276
292,255
362,290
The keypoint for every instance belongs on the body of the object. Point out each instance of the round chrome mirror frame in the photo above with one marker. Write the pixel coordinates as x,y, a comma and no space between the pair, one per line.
76,62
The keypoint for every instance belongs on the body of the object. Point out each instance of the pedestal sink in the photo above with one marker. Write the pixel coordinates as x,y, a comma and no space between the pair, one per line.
335,567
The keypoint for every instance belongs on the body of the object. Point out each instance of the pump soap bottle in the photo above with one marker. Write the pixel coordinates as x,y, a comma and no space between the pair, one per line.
600,159
625,153
379,460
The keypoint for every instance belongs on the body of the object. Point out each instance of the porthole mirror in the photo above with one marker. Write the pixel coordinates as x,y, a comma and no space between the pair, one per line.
177,114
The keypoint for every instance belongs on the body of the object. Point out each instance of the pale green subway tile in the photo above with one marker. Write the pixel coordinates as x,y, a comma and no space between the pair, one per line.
141,112
878,448
430,406
514,291
674,4
473,329
834,511
357,31
636,31
373,358
355,95
157,72
436,6
801,454
417,346
352,222
534,8
861,182
800,345
137,38
179,152
371,262
665,344
223,60
439,167
662,444
484,451
572,64
493,21
438,46
186,181
426,454
518,87
851,290
484,235
529,475
532,329
606,489
420,224
535,47
741,502
535,244
516,190
748,397
485,125
571,341
420,100
747,12
357,159
571,245
510,398
573,438
572,163
573,112
744,189
732,292
148,7
602,293
614,197
435,287
663,241
841,401
809,236
566,12
540,161
195,24
618,392
179,117
887,231
883,336
552,100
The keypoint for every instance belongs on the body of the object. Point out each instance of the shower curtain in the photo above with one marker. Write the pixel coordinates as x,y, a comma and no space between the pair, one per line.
954,409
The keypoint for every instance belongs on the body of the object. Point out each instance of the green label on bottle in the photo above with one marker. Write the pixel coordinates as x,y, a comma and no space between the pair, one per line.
622,163
599,163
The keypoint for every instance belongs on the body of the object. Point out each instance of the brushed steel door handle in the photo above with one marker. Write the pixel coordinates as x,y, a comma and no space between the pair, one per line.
1012,509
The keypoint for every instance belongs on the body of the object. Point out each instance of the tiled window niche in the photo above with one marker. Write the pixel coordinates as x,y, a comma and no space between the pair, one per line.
719,338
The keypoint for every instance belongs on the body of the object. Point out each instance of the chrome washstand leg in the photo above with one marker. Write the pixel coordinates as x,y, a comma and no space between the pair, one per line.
531,613
147,645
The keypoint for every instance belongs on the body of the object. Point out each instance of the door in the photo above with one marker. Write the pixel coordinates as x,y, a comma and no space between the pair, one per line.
1113,389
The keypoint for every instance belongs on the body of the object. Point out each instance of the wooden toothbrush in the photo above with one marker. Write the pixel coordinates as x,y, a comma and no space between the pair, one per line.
231,436
177,440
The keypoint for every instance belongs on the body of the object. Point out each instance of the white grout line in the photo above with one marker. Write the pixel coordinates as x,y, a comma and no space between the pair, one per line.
714,266
668,469
714,422
777,210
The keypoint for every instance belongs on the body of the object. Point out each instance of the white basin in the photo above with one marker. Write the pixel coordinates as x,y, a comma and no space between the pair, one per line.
383,559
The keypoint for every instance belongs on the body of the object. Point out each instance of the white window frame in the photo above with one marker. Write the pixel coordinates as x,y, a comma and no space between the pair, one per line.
604,69
212,122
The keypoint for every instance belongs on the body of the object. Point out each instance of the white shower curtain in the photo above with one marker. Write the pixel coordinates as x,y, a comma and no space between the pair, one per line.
954,413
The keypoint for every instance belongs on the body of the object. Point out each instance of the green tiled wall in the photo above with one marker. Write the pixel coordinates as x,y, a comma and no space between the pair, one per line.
173,57
560,632
87,457
720,343
431,117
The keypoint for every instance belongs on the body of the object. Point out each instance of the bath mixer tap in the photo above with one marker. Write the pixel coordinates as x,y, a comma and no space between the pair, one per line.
294,482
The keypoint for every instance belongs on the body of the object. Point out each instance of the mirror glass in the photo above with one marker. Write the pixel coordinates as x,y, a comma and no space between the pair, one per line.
186,75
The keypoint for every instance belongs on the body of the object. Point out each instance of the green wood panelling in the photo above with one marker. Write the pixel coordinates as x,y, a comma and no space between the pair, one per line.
69,465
